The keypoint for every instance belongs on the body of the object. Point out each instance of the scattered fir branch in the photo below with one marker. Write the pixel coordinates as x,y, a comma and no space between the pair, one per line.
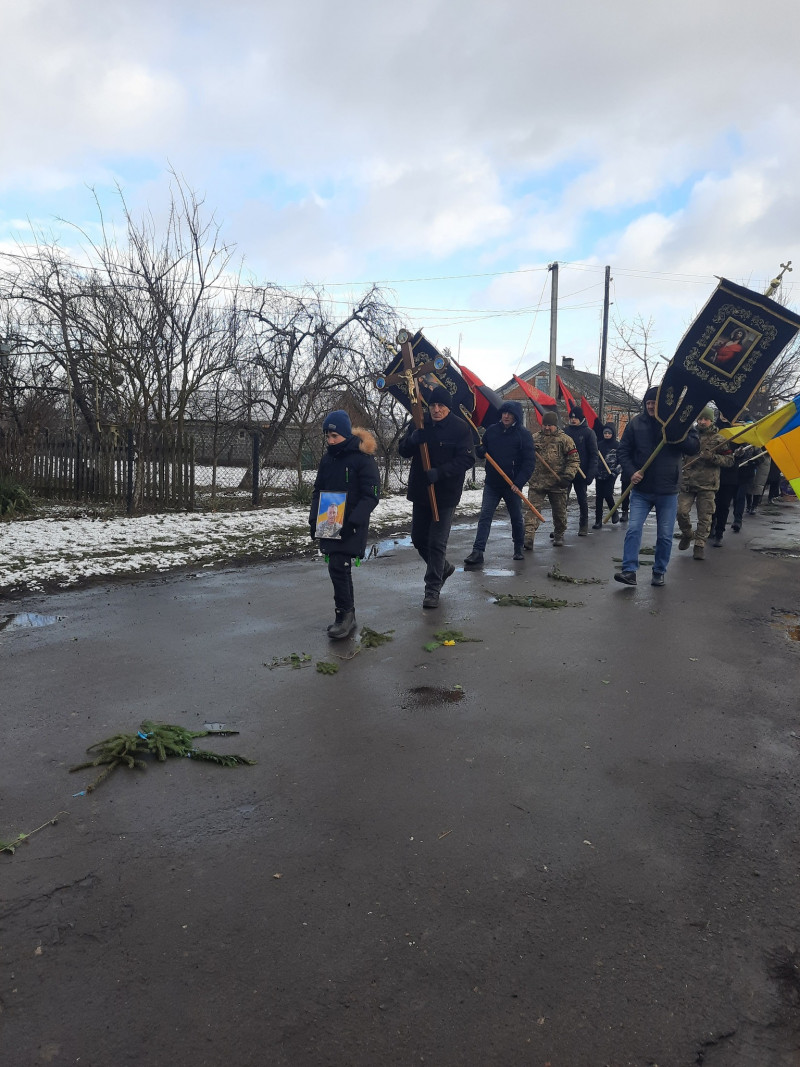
530,600
12,846
558,576
323,667
161,740
448,637
295,660
373,639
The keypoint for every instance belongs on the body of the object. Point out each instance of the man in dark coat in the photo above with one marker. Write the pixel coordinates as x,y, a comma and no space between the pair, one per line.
449,444
656,488
348,470
510,445
586,444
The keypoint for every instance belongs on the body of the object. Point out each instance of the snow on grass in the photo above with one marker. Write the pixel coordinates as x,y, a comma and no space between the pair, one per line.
41,553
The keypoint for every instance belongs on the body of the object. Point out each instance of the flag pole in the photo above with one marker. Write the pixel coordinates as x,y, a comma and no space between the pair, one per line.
503,474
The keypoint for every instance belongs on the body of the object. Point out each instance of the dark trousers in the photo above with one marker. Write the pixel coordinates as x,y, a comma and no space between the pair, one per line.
723,499
626,503
604,494
739,502
491,498
430,540
340,568
580,485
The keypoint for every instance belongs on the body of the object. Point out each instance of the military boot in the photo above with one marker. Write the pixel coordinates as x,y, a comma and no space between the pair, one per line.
518,553
685,541
527,544
337,621
699,552
344,628
558,540
583,531
717,542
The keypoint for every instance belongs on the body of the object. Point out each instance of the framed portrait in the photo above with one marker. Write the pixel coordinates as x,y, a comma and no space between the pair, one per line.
730,347
330,514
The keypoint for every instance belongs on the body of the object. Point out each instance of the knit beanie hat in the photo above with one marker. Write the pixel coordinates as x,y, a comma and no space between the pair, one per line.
651,393
708,413
549,419
440,395
338,422
576,413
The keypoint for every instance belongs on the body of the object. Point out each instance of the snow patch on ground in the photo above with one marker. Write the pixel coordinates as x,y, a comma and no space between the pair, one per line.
40,553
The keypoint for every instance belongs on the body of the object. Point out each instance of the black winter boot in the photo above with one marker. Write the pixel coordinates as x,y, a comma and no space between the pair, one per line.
337,621
345,627
473,560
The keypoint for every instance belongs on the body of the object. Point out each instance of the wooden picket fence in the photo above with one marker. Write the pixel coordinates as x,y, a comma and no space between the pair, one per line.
145,471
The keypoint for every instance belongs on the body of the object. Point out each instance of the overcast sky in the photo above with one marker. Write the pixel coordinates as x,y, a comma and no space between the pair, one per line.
450,148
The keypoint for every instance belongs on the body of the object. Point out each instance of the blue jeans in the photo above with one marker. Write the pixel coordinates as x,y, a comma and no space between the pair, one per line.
666,505
491,498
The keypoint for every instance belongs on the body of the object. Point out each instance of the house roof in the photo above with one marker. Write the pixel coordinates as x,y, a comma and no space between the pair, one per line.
580,383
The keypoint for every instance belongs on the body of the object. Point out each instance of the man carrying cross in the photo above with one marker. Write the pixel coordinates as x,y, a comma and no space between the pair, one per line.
449,443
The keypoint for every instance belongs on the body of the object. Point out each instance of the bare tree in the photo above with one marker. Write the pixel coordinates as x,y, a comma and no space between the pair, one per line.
139,330
300,353
636,357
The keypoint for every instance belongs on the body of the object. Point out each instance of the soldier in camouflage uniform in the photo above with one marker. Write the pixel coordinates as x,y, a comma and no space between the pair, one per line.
700,482
557,463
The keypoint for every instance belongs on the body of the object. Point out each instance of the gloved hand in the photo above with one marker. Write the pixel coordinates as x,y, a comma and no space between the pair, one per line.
589,481
416,437
311,533
432,475
564,483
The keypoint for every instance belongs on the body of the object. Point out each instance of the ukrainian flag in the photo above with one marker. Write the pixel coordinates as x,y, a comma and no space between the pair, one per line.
785,450
763,431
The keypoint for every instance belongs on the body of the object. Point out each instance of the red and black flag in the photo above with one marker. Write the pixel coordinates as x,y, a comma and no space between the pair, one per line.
723,357
591,416
542,402
566,395
487,402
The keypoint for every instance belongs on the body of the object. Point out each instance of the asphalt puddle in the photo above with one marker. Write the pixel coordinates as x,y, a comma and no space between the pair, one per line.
383,548
26,620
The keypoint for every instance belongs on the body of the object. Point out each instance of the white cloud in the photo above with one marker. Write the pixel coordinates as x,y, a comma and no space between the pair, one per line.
440,136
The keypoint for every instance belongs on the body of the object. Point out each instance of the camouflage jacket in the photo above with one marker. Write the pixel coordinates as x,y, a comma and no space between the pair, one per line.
702,471
559,452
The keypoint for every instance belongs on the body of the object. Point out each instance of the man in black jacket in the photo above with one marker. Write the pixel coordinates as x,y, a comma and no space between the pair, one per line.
586,443
510,445
449,444
656,488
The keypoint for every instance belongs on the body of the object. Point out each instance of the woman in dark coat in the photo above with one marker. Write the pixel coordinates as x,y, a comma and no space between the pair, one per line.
604,482
349,470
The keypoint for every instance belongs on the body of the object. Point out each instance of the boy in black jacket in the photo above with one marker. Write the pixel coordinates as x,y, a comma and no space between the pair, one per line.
348,470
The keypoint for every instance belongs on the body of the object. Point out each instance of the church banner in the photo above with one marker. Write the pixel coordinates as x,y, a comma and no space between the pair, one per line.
723,357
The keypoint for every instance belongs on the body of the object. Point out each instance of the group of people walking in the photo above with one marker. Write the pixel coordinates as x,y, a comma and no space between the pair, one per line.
703,472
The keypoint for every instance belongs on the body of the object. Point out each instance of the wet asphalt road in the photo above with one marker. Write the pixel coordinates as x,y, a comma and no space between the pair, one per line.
585,855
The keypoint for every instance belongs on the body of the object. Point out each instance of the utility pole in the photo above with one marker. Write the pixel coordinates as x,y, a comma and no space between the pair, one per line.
603,347
553,268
